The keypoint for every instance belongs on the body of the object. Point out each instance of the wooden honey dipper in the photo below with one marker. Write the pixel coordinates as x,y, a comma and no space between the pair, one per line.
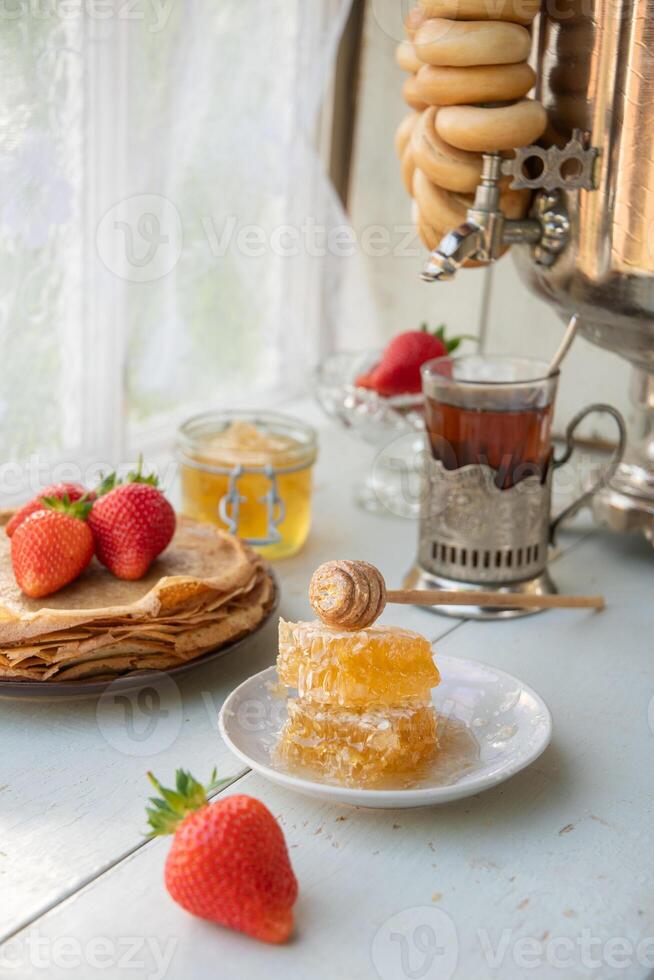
352,595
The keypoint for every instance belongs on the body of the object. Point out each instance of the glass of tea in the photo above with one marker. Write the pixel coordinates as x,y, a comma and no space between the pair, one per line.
486,517
491,410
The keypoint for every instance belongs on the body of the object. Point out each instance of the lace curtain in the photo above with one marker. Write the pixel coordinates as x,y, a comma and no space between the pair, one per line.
169,238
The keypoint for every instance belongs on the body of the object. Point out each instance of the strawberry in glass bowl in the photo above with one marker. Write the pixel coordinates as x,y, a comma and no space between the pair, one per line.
377,395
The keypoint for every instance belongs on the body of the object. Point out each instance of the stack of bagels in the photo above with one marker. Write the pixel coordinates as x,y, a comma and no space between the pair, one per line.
467,82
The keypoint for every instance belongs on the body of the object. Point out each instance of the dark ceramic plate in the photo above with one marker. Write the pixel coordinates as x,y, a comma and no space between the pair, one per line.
74,690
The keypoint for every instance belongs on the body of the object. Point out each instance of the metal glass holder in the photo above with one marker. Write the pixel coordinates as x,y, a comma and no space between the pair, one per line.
474,535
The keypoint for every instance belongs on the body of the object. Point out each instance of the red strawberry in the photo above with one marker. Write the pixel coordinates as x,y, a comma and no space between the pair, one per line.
51,547
228,862
398,372
74,491
132,523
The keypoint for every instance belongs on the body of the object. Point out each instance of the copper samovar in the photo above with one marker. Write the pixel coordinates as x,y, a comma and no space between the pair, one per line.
587,245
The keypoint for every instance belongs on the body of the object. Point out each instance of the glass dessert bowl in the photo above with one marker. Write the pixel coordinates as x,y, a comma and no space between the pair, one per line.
392,425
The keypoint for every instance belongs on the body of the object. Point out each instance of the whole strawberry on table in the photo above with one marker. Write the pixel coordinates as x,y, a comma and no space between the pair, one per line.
398,371
228,862
125,524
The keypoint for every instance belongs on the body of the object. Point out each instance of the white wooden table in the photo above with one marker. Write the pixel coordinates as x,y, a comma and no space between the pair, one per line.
548,875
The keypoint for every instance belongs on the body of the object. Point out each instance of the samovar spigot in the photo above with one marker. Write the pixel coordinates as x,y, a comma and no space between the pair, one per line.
485,231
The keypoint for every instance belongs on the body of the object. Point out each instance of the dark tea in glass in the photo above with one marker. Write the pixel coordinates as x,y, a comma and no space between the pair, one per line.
490,410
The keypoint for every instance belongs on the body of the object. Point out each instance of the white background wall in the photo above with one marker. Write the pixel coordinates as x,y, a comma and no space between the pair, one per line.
491,304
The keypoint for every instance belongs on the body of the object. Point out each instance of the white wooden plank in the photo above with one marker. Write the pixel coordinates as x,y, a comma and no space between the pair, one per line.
558,854
70,793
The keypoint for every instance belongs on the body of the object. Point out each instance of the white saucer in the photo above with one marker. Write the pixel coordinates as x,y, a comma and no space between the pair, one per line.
510,723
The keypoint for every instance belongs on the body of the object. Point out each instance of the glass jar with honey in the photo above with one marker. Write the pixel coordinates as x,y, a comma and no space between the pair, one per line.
250,473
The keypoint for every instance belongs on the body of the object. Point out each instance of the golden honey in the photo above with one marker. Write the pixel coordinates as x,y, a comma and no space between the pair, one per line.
252,475
378,665
357,746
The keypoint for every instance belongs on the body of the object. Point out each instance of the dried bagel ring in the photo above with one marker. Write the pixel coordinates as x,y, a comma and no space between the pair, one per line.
413,20
411,96
447,85
517,11
445,165
404,132
447,209
407,167
485,130
440,208
429,236
406,57
472,42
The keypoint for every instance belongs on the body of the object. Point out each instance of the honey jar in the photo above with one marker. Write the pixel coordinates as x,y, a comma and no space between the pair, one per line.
249,473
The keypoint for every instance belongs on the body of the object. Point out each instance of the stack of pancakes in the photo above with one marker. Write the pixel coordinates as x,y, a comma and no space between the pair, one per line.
206,590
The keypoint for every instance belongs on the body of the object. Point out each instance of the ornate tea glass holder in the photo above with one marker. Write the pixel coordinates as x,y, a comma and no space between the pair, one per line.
474,534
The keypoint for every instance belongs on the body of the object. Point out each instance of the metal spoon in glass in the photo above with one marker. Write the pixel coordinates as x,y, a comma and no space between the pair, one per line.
564,346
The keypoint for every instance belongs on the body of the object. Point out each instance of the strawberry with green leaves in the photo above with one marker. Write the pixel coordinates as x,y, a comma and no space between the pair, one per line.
74,491
398,372
132,523
228,862
52,546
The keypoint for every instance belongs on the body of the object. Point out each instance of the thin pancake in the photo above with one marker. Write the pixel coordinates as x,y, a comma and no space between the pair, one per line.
200,563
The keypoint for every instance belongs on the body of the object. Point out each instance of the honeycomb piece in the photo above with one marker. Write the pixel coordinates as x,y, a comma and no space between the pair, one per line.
357,747
378,665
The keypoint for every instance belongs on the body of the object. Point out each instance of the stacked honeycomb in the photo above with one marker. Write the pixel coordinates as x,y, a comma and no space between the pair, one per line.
363,711
467,80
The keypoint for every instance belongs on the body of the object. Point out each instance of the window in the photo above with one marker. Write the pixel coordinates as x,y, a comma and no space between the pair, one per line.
160,186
